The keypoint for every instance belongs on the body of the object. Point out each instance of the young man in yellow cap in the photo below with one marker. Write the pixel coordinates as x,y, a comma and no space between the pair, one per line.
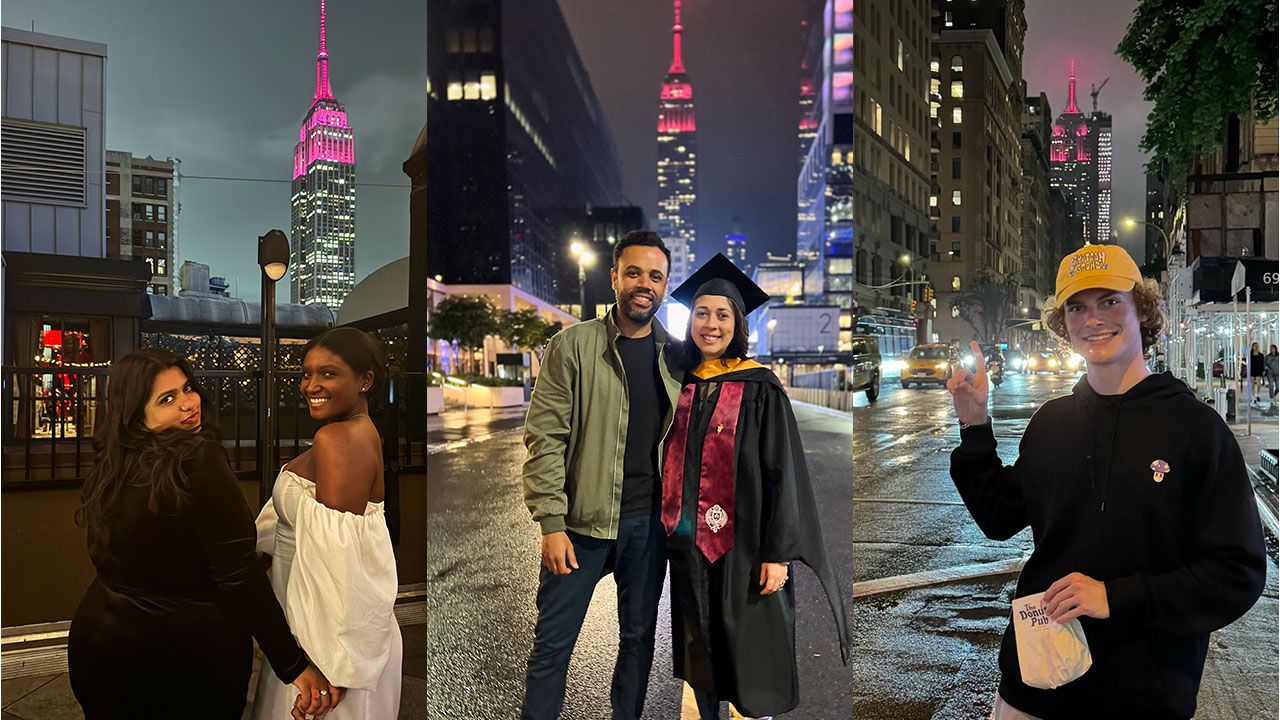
1143,518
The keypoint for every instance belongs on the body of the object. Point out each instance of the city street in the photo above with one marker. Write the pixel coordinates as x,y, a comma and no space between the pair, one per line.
927,643
484,555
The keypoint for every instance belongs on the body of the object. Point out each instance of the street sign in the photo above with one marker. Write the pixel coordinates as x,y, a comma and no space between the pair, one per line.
803,328
1237,279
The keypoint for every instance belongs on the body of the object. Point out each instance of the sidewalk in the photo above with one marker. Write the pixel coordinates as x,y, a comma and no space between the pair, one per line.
48,696
457,426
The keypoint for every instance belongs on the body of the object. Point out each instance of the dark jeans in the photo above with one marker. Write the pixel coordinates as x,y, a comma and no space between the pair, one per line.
637,560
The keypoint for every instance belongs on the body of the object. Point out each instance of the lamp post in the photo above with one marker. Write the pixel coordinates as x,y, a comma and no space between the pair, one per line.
273,258
1131,223
586,258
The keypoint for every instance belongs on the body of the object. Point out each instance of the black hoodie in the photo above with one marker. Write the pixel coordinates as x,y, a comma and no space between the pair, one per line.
1181,555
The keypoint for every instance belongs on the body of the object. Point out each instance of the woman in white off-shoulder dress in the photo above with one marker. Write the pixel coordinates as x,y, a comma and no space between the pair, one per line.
332,566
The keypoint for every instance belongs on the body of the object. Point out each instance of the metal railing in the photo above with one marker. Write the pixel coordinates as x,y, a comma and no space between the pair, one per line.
51,413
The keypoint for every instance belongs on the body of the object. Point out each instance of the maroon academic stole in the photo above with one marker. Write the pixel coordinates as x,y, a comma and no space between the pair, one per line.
714,534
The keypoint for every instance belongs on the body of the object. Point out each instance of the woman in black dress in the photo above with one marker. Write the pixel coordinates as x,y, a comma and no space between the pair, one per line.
165,628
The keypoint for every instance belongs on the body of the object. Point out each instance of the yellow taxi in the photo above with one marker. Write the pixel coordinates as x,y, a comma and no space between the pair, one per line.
928,363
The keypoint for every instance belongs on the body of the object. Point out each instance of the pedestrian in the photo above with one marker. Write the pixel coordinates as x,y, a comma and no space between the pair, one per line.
325,528
1257,369
738,508
166,628
603,401
1272,367
1144,522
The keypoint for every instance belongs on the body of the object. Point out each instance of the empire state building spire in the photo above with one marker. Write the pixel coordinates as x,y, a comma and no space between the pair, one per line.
323,91
677,158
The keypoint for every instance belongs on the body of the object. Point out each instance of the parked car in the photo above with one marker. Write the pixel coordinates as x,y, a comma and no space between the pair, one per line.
929,363
864,370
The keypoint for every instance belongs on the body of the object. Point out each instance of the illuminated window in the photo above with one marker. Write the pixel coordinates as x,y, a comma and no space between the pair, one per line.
946,19
955,311
471,88
933,110
901,56
488,86
455,90
933,201
957,64
935,87
935,65
955,198
957,115
877,118
957,88
955,282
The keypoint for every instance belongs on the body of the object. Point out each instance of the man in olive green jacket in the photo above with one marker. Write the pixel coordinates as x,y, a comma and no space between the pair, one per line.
604,400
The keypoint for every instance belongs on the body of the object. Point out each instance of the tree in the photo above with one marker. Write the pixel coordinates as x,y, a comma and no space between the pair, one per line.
987,305
1203,61
522,329
464,321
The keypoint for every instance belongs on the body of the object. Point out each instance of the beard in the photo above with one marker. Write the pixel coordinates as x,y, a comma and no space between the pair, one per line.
635,314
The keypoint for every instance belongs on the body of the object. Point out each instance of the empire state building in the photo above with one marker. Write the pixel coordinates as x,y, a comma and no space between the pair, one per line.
677,162
323,239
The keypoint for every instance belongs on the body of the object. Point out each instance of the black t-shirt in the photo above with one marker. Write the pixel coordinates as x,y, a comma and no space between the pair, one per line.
648,406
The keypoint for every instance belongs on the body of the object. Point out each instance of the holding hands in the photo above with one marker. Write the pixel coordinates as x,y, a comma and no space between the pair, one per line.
969,390
316,697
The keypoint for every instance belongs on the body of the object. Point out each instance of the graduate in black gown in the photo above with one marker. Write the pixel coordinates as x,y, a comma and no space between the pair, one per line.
739,509
165,629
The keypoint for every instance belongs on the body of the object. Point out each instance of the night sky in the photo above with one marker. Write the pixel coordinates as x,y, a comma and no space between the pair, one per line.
224,86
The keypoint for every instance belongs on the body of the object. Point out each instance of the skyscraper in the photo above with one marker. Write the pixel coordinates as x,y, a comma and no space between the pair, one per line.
323,239
1072,169
1100,123
677,161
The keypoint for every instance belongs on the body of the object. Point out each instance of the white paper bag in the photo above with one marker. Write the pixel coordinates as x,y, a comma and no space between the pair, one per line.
1050,655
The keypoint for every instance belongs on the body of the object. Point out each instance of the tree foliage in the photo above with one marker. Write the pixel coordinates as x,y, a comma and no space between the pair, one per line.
465,321
1202,61
522,329
987,304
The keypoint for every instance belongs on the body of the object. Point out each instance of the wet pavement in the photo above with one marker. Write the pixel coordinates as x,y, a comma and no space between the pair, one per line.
927,649
484,559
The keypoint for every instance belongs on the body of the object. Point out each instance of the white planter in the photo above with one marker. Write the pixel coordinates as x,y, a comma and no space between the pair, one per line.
481,396
435,399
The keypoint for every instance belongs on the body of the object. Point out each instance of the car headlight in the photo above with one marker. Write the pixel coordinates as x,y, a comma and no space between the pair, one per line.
942,366
1053,362
1018,363
1031,363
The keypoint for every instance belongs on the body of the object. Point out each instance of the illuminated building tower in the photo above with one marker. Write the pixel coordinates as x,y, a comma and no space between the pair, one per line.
677,162
1100,126
323,241
1072,169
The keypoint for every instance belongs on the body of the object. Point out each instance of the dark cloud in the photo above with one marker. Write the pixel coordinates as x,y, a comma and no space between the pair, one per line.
224,86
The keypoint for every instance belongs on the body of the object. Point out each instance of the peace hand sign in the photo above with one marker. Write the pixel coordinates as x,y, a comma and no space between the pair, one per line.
969,391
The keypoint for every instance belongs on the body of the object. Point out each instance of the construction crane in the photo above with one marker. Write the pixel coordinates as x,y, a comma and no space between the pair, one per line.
1093,92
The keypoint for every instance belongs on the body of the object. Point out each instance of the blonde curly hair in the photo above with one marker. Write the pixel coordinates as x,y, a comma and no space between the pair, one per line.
1147,302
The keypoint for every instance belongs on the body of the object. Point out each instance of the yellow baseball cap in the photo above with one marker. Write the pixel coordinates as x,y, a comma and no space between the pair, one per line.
1092,267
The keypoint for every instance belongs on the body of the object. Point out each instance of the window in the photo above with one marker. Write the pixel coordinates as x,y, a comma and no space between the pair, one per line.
935,65
955,311
149,185
469,40
162,187
486,40
901,56
488,86
162,240
471,88
933,201
935,87
452,43
946,19
957,88
137,184
955,139
955,198
933,110
877,118
955,249
955,168
454,91
957,64
161,213
150,239
957,115
955,282
955,223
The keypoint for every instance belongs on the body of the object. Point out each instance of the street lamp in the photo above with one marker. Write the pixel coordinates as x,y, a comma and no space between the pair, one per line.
1130,224
273,258
586,258
773,323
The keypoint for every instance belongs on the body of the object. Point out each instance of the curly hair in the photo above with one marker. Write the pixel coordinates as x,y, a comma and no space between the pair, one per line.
1147,303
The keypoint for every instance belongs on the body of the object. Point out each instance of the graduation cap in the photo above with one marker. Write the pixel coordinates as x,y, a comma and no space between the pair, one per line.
719,276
